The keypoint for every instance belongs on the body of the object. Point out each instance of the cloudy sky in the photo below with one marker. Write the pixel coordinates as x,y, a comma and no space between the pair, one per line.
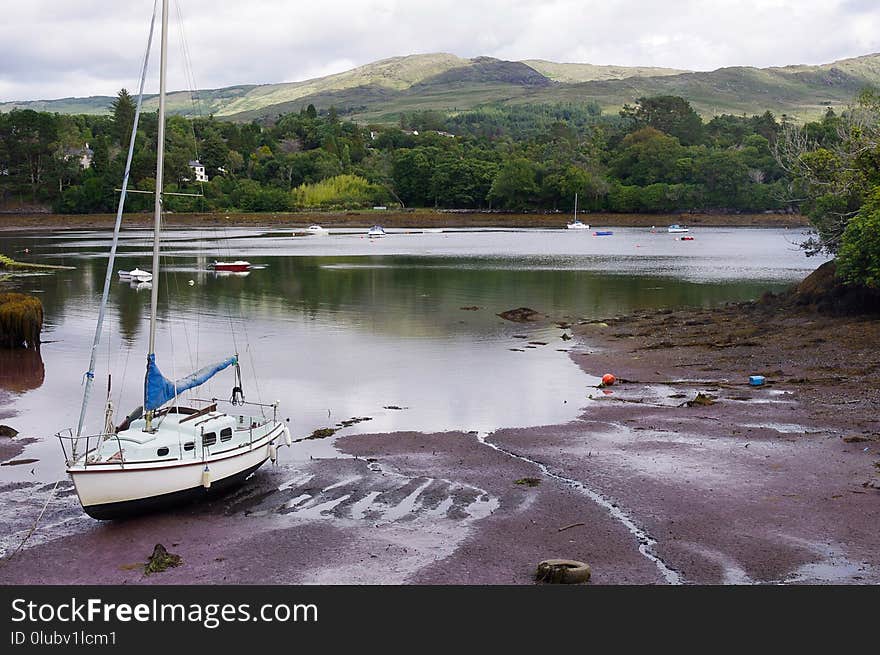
60,48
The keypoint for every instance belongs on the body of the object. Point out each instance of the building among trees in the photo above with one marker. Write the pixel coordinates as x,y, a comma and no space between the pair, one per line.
198,170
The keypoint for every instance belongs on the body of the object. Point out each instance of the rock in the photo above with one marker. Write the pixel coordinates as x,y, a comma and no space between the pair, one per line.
161,560
528,482
6,431
856,438
521,315
701,400
565,336
827,293
354,419
471,308
322,433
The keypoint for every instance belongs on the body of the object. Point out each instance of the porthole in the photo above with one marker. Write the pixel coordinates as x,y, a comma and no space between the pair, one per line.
162,451
189,445
209,438
225,434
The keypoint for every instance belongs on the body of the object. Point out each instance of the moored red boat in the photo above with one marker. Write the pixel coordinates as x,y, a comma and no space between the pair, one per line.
236,266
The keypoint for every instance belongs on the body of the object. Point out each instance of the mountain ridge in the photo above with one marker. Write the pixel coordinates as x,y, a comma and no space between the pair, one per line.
380,91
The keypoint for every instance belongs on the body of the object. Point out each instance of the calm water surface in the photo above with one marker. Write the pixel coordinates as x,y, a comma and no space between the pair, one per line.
340,326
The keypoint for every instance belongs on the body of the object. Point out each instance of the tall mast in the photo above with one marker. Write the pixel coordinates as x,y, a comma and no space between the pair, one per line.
575,206
157,210
90,375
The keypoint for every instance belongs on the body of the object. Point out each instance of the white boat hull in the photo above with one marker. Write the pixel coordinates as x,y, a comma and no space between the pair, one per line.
578,226
108,490
136,275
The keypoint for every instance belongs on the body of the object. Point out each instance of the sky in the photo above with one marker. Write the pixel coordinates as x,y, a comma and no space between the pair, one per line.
62,48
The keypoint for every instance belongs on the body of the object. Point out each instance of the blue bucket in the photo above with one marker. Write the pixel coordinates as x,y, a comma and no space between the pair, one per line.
756,380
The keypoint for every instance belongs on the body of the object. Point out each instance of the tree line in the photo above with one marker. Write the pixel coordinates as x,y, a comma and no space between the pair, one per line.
655,156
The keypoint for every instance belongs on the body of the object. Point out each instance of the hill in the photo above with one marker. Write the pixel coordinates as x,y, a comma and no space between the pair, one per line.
380,91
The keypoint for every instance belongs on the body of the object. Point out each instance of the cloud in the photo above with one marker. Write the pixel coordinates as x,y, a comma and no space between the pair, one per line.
57,49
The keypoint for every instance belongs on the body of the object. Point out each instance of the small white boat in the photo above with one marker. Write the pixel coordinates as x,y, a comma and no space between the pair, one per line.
376,231
675,228
576,224
136,275
317,229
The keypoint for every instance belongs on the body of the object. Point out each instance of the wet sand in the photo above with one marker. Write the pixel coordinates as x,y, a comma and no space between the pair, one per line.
769,484
391,218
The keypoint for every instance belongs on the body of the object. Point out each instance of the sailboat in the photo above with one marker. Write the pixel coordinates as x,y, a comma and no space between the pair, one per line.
166,451
576,224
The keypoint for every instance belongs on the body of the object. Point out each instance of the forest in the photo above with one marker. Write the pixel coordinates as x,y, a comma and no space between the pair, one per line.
657,155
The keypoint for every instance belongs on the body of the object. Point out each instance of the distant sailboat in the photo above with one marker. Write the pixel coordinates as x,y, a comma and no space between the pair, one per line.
165,452
576,224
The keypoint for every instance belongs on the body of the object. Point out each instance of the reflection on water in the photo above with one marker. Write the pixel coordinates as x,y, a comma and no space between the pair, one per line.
21,369
342,326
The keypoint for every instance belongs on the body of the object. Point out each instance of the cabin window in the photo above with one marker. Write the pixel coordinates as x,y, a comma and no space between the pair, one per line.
189,445
209,438
162,451
225,434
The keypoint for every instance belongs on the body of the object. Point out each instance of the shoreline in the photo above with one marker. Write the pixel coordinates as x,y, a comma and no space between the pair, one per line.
391,218
772,484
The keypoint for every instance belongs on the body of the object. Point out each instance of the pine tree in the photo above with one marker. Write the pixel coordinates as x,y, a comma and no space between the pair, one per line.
123,109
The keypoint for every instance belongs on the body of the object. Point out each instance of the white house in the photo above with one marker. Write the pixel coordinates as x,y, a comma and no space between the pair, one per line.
84,155
199,170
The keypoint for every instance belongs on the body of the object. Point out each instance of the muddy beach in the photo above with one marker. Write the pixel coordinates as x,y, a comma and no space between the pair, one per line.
389,218
770,484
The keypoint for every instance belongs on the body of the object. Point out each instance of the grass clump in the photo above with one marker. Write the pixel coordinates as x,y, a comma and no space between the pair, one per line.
21,320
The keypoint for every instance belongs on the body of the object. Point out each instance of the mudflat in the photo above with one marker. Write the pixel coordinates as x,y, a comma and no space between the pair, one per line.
652,484
391,218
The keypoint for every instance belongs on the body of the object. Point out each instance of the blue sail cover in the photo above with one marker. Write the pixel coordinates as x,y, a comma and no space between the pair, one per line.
158,389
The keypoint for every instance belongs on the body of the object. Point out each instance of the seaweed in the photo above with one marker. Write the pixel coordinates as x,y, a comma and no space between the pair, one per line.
161,560
21,320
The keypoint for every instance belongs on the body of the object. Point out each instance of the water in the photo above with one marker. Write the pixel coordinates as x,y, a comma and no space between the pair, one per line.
341,326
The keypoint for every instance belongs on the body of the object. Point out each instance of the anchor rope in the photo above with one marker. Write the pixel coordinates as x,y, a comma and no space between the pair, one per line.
33,527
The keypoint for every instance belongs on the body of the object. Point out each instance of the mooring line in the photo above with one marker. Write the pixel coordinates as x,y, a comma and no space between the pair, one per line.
33,529
646,542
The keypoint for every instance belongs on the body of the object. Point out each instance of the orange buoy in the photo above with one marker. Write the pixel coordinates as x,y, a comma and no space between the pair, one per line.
608,379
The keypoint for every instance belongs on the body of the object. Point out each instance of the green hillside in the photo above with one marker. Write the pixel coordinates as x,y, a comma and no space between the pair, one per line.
574,73
382,90
803,92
